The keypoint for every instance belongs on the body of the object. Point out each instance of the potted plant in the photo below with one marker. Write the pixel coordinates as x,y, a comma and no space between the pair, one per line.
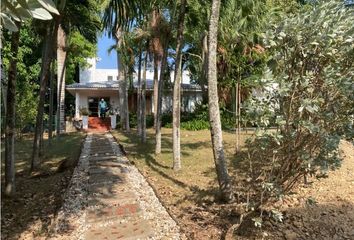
113,115
84,113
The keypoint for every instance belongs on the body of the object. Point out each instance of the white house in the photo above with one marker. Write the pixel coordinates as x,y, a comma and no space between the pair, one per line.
103,83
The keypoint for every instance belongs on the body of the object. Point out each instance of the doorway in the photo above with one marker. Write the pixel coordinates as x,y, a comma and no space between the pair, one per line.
93,105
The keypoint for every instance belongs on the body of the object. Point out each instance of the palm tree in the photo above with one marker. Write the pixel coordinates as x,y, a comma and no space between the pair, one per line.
177,90
214,113
51,31
10,117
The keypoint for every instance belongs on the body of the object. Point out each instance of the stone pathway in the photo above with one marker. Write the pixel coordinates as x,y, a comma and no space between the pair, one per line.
118,203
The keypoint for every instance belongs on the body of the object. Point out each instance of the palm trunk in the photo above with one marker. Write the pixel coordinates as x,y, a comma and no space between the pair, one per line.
204,69
51,105
138,112
156,87
159,102
46,59
126,103
10,118
143,102
121,79
61,63
176,132
214,114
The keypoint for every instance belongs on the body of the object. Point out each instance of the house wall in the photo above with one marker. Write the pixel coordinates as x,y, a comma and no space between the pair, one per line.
83,96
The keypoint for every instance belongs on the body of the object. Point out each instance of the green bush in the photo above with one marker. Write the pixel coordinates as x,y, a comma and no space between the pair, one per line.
195,125
308,91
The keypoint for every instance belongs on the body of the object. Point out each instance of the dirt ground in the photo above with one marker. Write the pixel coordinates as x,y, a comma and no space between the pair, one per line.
322,209
30,213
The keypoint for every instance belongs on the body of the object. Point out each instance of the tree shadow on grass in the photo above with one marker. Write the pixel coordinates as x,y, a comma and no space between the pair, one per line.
37,199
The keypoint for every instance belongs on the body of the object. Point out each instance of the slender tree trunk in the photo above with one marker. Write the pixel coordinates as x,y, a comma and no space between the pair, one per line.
204,69
121,80
61,68
46,60
143,102
10,117
156,87
214,114
176,131
159,102
126,103
51,105
139,108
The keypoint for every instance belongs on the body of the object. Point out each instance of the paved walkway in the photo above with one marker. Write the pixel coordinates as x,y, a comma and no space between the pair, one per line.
118,202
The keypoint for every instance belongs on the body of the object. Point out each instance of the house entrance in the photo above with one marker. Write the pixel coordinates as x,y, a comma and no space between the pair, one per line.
93,105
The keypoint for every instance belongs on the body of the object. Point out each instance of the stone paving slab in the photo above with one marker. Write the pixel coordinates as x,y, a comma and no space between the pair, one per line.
105,170
112,212
108,188
108,178
102,153
108,163
118,199
100,158
126,231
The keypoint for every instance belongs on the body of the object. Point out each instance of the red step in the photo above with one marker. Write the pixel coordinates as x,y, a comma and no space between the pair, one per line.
99,124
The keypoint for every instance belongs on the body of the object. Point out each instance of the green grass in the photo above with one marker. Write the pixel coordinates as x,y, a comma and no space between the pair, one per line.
196,182
66,147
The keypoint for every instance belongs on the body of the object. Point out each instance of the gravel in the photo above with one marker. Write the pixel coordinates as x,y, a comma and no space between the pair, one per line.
70,221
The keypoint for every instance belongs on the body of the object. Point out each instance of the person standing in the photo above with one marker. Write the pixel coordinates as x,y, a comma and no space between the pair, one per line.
102,108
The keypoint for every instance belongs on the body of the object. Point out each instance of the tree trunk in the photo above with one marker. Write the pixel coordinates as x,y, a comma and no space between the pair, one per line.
139,108
159,102
156,87
51,105
176,135
204,79
121,79
10,117
61,68
214,114
143,102
125,102
46,60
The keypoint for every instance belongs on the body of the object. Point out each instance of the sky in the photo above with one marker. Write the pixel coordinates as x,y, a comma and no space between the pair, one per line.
107,61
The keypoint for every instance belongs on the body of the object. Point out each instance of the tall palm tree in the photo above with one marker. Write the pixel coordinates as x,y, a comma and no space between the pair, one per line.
176,135
10,117
214,113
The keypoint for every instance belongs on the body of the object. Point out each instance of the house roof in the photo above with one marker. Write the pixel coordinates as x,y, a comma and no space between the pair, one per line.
114,85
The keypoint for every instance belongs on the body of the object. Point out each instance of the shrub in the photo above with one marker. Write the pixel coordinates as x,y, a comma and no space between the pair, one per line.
309,93
195,125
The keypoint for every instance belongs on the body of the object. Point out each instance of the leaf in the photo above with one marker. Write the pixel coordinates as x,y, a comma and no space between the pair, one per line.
41,13
8,23
38,11
23,3
49,5
23,12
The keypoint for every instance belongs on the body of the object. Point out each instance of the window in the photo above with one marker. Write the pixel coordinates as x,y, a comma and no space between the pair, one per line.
110,78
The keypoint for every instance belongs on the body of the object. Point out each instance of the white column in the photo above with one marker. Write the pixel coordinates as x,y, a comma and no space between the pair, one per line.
152,103
77,105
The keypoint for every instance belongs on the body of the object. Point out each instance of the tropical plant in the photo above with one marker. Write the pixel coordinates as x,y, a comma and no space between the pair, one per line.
18,11
309,92
214,113
85,111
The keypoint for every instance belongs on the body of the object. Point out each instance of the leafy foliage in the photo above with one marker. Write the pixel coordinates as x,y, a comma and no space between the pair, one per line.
28,69
308,92
17,11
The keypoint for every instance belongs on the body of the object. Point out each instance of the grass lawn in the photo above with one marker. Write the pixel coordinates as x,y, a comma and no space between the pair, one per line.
188,194
30,212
